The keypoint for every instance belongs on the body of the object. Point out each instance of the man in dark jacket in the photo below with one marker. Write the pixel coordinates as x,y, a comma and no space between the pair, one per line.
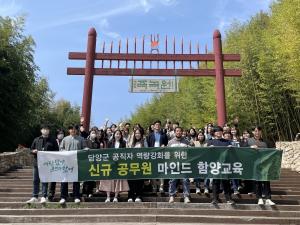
41,143
158,139
220,141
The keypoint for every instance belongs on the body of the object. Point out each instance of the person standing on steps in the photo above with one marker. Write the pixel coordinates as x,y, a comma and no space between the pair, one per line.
114,186
136,186
41,143
59,137
220,141
179,141
262,187
158,138
73,142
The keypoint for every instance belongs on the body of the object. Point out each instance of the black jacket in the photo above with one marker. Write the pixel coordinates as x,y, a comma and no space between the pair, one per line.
218,142
162,141
43,144
92,144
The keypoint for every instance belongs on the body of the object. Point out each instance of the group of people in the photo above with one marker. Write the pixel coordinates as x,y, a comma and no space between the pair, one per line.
170,135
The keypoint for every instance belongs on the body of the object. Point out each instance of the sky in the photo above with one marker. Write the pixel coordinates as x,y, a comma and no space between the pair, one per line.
61,26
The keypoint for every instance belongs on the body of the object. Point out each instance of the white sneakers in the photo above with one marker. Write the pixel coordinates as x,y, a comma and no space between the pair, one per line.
161,189
35,200
62,201
138,200
43,200
269,202
198,191
187,200
260,201
116,200
236,192
206,191
32,200
77,200
171,200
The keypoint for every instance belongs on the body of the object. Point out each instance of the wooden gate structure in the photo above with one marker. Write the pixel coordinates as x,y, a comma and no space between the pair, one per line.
114,69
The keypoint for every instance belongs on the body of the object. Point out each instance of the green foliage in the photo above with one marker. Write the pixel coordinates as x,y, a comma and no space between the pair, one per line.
268,93
62,114
26,100
191,106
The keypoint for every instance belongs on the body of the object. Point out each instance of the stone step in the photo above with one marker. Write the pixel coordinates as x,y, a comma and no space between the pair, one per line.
28,189
16,177
16,188
125,195
125,223
277,200
122,205
170,218
148,211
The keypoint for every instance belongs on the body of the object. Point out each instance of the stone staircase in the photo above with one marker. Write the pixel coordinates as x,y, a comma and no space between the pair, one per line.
16,188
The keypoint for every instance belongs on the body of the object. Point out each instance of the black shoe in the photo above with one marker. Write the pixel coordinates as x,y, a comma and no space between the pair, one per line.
50,198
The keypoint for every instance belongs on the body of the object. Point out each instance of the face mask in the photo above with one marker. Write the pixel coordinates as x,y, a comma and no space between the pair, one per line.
45,132
93,136
60,136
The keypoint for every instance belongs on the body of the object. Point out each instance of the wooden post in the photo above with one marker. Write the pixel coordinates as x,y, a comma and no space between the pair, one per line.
220,87
88,78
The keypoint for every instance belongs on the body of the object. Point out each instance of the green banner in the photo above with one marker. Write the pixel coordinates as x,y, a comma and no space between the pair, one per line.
179,162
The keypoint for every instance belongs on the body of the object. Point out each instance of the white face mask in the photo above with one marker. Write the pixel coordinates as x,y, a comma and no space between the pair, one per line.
45,132
60,136
93,136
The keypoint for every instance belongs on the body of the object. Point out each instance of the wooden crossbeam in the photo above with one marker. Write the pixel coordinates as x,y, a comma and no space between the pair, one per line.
115,61
154,72
154,57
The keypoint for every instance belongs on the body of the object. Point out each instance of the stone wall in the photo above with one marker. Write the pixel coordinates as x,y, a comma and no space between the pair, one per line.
291,155
19,158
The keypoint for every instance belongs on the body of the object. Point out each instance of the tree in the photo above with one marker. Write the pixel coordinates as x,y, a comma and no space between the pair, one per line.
26,99
62,114
18,83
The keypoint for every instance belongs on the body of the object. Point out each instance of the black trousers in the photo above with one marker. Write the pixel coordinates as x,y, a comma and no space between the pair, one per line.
263,188
216,189
250,186
88,187
135,188
52,188
64,190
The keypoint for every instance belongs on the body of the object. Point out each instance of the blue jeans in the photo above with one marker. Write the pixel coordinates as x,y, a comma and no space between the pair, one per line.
186,187
36,184
235,184
198,182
